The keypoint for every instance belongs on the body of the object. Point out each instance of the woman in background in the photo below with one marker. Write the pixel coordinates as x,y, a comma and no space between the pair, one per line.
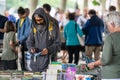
9,51
70,34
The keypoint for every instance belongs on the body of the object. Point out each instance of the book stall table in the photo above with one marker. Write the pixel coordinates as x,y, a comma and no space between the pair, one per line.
54,72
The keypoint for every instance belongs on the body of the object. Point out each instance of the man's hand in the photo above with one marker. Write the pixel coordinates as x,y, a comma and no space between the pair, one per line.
17,41
91,65
44,51
32,50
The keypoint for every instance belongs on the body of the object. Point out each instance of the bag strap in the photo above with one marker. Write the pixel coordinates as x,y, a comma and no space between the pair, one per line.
76,27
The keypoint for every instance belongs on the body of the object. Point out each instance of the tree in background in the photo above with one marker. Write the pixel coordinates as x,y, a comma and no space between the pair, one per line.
33,5
103,3
118,5
63,4
85,4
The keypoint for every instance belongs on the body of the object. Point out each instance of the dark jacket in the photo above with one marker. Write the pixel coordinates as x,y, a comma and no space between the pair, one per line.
93,30
3,19
49,39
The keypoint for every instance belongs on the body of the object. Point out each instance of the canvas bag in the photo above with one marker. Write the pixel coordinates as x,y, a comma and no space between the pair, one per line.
81,39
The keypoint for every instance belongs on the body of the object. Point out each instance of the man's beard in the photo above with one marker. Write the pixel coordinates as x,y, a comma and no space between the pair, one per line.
40,28
41,23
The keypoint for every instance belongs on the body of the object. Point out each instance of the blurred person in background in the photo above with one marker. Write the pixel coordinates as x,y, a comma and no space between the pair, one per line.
60,16
3,19
70,34
83,18
27,10
93,30
9,54
53,24
81,22
63,41
111,9
63,46
57,11
23,31
77,14
10,17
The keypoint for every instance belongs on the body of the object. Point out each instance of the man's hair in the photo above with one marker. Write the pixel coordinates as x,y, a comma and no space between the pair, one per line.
21,10
27,10
92,11
71,16
47,7
113,17
112,8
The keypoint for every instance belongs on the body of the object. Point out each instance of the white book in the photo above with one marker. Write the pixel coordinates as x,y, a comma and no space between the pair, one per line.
55,66
51,74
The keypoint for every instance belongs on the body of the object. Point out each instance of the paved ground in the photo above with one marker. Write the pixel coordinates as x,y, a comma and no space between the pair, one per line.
80,60
66,59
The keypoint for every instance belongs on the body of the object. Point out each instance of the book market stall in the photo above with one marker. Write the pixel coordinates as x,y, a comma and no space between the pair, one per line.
56,71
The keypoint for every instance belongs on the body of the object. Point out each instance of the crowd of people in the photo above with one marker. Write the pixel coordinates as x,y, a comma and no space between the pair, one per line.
43,36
